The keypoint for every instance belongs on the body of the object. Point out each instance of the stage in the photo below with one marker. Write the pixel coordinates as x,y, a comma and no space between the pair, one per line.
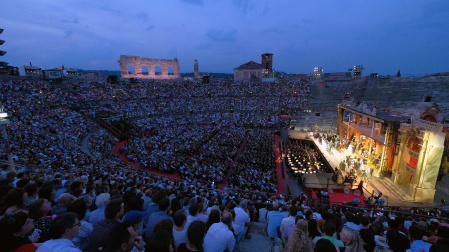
394,194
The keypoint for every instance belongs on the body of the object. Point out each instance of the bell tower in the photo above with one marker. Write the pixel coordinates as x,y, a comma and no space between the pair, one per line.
196,72
267,62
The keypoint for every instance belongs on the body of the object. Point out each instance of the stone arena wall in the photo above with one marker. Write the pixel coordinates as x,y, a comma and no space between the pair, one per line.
398,95
151,64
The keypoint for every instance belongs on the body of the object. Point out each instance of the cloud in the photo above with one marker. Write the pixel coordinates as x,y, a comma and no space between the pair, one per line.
203,47
307,21
68,33
244,5
221,35
198,2
265,9
273,30
149,28
31,26
143,15
109,9
74,21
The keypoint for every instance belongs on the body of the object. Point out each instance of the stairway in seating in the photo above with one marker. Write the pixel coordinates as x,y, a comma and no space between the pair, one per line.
387,187
259,241
111,129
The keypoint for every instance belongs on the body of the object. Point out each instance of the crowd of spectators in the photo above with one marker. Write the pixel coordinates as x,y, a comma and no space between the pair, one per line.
70,192
254,169
198,125
117,209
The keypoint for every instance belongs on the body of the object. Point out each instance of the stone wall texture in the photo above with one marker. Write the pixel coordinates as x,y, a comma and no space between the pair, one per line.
398,95
151,64
245,74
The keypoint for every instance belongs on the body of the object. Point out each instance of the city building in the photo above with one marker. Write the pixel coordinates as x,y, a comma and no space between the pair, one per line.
254,70
357,71
51,74
30,71
70,73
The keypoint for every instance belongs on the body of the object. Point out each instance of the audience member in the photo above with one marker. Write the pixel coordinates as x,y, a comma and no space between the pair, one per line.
195,235
63,229
219,236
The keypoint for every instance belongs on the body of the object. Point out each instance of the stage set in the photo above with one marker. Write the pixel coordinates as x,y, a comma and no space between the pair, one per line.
396,156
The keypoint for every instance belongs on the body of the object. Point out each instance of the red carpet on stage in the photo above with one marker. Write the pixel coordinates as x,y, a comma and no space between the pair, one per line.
339,196
282,183
137,166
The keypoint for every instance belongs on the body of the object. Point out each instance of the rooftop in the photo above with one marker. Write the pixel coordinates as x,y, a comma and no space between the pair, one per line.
250,65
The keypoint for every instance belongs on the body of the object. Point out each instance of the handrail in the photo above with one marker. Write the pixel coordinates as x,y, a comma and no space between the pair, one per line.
374,210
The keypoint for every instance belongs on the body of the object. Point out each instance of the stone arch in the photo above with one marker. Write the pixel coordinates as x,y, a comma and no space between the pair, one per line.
139,72
145,70
131,69
432,113
170,70
157,70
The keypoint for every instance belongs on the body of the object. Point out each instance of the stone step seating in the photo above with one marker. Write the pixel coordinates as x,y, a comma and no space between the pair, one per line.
382,93
259,241
387,187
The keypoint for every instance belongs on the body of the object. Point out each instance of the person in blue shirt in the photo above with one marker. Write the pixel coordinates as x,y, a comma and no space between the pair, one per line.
147,199
274,219
153,207
154,218
416,236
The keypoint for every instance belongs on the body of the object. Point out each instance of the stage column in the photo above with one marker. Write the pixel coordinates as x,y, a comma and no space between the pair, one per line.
429,161
398,158
340,121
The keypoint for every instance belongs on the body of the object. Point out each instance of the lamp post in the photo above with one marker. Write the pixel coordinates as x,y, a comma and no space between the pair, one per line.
3,122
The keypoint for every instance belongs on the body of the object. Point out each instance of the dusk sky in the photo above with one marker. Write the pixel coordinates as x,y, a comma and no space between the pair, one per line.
383,35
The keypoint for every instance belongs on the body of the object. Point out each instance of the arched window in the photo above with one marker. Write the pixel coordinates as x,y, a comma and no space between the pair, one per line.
131,69
144,70
170,70
157,70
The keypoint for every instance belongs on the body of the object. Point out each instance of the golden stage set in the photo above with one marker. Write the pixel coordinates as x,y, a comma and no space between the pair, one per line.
409,149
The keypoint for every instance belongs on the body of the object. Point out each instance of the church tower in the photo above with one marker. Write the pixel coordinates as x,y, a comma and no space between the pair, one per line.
196,72
267,62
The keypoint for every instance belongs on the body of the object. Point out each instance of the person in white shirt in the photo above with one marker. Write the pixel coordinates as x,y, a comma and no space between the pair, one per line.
219,236
179,232
101,201
64,228
79,207
242,219
193,211
288,224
